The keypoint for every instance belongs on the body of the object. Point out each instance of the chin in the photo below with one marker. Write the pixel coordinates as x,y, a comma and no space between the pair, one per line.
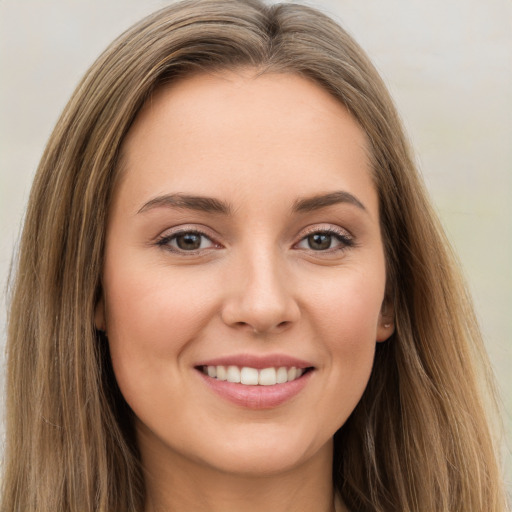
264,452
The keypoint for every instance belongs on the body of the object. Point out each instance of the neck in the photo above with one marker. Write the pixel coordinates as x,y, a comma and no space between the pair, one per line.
175,484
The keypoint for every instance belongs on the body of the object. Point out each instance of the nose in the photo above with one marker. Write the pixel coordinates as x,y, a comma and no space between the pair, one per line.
259,295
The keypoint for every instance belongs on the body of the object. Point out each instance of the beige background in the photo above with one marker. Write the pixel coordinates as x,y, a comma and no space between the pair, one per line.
447,63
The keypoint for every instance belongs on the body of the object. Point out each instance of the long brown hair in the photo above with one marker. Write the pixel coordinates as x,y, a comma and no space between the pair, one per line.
420,438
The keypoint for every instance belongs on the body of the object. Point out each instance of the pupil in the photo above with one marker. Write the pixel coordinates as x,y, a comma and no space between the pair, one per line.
189,241
319,241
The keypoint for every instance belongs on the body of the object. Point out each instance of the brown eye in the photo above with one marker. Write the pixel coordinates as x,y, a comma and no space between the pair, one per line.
189,241
186,241
319,241
326,240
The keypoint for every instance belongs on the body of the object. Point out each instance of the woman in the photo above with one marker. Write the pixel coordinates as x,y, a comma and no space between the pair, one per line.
232,292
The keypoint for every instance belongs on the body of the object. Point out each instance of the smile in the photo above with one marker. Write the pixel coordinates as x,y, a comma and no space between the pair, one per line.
252,376
256,382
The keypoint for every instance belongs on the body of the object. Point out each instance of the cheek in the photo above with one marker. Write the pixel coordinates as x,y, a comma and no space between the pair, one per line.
345,313
148,307
347,307
151,317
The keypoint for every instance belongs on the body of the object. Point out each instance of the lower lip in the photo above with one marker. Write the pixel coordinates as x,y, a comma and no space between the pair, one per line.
257,397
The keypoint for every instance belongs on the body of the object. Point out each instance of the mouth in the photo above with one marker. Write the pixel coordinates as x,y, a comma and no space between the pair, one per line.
249,376
256,382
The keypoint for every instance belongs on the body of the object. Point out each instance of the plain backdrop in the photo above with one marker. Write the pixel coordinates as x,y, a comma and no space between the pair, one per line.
448,65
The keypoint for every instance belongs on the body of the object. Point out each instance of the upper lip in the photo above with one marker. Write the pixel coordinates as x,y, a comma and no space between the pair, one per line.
257,361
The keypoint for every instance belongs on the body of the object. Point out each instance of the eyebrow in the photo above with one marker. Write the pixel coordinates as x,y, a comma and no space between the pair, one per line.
320,201
212,205
188,202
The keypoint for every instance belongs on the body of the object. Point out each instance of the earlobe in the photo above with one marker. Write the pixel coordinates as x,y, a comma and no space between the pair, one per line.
386,326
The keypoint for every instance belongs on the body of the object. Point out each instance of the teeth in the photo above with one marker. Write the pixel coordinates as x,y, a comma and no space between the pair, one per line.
233,374
282,375
249,376
221,372
253,377
267,377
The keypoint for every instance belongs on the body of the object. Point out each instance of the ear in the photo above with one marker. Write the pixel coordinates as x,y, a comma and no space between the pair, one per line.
99,315
386,325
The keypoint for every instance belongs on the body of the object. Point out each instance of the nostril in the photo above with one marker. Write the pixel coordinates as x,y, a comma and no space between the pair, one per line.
261,329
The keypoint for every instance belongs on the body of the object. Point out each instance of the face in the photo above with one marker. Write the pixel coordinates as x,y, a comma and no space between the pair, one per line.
243,244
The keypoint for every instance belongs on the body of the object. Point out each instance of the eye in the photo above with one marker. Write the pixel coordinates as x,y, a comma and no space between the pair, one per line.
186,241
326,241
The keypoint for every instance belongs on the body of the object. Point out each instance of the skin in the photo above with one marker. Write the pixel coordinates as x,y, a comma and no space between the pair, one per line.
255,286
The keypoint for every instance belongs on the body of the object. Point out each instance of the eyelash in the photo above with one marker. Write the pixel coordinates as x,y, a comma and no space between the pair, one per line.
165,241
345,240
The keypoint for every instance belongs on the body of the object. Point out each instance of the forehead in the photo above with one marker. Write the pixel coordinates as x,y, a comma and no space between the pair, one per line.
241,133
